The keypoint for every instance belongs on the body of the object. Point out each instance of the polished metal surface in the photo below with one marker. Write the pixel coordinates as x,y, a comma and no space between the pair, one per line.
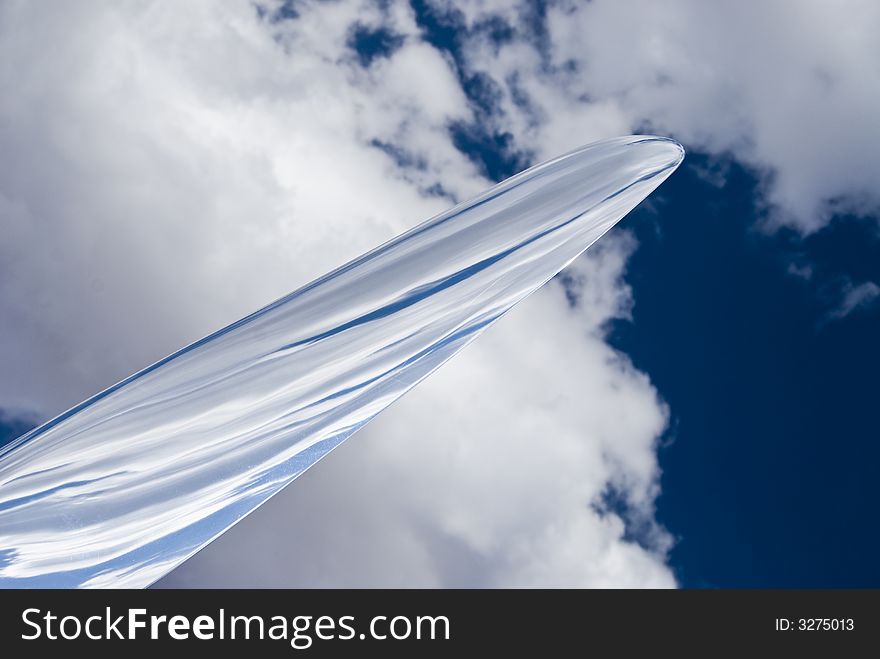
125,486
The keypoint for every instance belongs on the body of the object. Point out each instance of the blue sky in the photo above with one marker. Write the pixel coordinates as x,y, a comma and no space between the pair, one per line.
728,326
771,462
771,458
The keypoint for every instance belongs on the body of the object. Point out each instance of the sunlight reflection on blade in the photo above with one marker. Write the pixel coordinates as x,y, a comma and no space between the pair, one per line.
122,488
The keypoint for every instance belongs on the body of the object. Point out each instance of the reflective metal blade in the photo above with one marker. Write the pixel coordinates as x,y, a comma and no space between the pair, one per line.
125,486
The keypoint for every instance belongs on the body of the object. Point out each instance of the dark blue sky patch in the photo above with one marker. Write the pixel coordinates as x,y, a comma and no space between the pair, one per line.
484,94
371,43
496,30
495,153
12,427
771,477
637,528
442,27
445,29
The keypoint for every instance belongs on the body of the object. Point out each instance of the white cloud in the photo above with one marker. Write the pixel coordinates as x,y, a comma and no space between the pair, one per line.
791,88
800,271
482,476
855,297
188,170
168,168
